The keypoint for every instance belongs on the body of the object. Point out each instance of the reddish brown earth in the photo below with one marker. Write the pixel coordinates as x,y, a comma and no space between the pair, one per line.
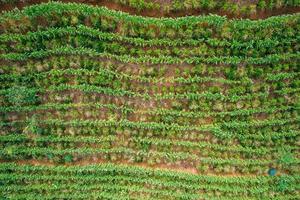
99,161
85,162
155,13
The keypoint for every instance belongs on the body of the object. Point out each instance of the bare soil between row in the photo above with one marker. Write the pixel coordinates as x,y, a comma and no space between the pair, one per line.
156,13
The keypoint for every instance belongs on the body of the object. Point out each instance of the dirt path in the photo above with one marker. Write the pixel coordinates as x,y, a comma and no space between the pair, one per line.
157,13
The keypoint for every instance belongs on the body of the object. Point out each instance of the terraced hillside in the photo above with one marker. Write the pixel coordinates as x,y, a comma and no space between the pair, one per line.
100,104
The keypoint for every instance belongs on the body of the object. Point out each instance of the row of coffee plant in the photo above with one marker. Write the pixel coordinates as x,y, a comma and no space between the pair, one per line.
110,181
214,97
231,7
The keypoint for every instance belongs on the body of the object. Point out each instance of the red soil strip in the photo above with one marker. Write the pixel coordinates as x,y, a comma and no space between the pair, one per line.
156,13
96,161
164,167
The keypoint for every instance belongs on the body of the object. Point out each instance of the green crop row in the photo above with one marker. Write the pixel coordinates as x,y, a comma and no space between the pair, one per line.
120,92
68,50
60,14
158,179
112,43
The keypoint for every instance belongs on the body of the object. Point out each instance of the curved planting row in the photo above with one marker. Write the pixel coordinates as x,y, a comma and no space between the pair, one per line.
110,181
207,95
251,9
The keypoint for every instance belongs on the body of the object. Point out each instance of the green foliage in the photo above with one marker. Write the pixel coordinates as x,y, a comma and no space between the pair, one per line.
20,95
68,158
32,127
283,184
207,95
286,158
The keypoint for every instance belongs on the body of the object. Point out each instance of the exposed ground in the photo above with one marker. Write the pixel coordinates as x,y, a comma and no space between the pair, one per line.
161,13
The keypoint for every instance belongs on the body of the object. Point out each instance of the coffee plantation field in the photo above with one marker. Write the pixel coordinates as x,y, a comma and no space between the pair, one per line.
98,103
